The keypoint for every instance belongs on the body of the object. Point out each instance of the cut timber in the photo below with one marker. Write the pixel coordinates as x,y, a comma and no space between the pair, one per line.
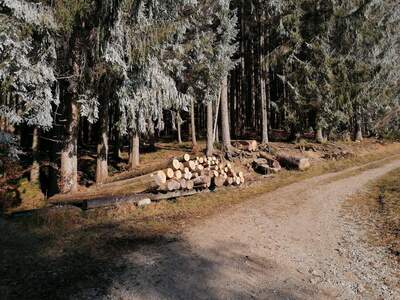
272,162
189,185
191,165
173,185
188,176
175,194
229,181
264,166
247,145
170,173
159,177
112,201
237,181
202,181
186,157
176,164
219,181
133,199
292,162
145,170
183,184
178,174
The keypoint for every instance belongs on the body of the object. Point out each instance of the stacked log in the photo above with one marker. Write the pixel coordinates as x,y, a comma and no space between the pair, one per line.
197,173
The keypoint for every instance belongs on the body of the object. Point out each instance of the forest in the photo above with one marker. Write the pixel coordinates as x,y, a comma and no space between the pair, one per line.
199,149
109,77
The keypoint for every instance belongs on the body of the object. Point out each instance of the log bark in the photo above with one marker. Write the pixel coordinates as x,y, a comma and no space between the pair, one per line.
219,181
134,156
164,165
173,185
202,181
319,135
178,127
248,145
35,170
292,162
272,162
193,124
102,148
226,134
210,133
69,153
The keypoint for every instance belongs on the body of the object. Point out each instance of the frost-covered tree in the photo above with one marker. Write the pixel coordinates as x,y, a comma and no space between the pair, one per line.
137,49
206,59
27,69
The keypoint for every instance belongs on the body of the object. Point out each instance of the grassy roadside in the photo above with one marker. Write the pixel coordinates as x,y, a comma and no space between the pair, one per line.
378,210
171,217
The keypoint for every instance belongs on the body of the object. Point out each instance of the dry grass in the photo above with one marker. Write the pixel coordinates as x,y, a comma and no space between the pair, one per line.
171,216
378,210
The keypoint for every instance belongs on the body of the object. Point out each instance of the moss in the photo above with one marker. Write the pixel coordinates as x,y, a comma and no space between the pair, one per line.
26,196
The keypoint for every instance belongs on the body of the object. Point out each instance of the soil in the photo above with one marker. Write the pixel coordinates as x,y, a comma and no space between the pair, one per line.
293,243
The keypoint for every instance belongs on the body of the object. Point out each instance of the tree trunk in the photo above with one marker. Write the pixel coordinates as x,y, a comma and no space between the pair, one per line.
34,174
69,155
359,133
102,148
193,124
358,130
178,126
210,133
226,135
134,156
264,83
319,135
117,148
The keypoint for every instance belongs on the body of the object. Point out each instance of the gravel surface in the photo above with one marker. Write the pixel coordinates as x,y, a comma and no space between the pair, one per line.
294,243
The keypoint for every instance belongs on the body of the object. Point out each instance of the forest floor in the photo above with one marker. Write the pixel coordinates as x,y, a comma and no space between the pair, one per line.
293,236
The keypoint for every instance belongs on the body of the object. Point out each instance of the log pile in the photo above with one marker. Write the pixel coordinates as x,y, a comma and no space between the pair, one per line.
195,173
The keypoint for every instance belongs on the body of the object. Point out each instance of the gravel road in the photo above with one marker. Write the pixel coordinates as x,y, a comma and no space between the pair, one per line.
293,243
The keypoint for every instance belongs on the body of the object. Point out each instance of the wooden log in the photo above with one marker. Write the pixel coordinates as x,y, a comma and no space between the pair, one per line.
183,183
236,181
247,145
189,185
112,201
191,165
178,174
159,177
229,181
292,162
272,162
176,164
163,165
219,181
173,195
188,175
186,157
170,173
173,185
203,180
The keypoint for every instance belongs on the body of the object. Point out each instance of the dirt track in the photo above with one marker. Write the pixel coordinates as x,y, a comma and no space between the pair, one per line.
293,243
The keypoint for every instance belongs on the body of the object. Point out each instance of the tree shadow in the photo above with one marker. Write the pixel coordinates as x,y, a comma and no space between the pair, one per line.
118,264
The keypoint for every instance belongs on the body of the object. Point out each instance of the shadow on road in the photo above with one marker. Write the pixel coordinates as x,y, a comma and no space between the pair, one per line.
119,265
